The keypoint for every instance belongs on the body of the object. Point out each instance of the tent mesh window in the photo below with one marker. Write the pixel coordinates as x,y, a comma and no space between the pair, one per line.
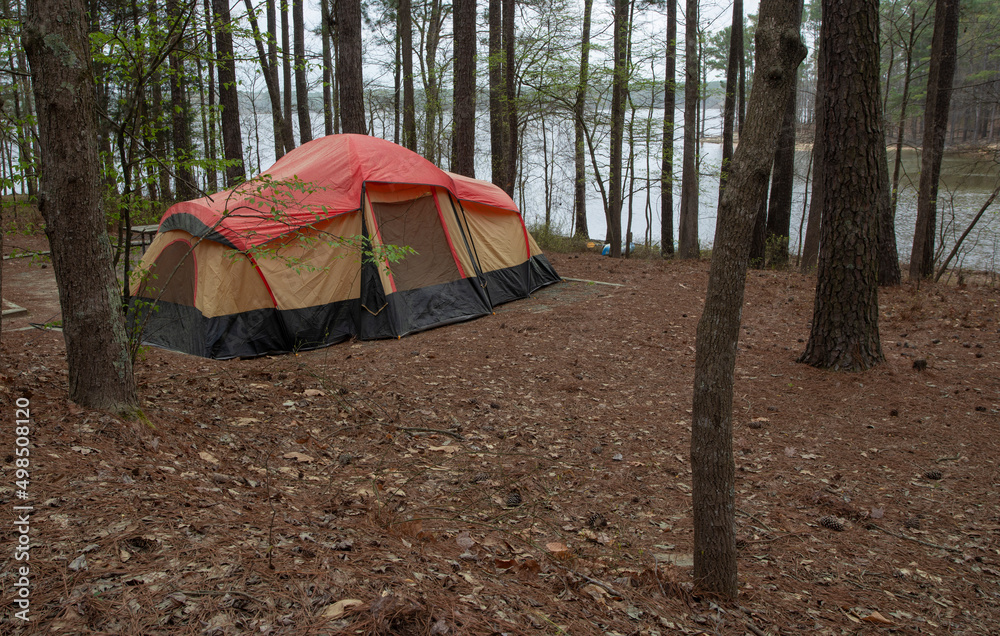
174,272
416,224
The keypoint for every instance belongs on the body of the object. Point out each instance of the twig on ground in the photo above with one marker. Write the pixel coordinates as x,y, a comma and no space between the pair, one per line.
914,539
420,429
756,518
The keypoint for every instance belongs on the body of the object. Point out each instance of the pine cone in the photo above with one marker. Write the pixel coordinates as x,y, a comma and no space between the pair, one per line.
514,498
833,523
480,478
933,473
913,523
597,520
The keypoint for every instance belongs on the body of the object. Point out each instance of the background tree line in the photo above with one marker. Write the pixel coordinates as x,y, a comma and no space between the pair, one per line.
183,87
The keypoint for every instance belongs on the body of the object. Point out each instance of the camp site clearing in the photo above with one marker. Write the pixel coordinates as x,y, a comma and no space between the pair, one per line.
369,486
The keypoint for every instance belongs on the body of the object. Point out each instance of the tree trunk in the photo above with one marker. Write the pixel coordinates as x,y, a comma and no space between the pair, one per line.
732,81
779,207
184,183
432,100
409,106
211,173
352,96
301,85
499,130
273,86
779,51
325,32
286,72
580,148
811,244
463,146
618,88
100,369
688,231
669,106
939,81
844,332
232,137
510,106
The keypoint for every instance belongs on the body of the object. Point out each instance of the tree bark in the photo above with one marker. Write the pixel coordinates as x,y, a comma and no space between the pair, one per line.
432,99
844,333
180,126
286,72
688,231
349,71
325,33
779,207
810,246
463,140
274,85
100,369
619,85
732,81
232,137
301,85
211,176
580,149
939,80
499,129
409,106
779,51
510,91
669,106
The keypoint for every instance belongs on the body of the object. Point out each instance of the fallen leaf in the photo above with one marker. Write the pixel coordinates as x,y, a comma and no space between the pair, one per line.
444,449
208,457
313,393
503,564
338,609
302,457
244,421
875,617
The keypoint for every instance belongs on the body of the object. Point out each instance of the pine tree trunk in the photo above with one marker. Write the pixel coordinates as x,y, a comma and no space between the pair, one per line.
301,86
844,333
732,81
286,73
208,118
510,91
779,207
669,106
939,81
349,73
688,231
409,106
618,88
580,182
779,52
499,129
463,149
432,101
184,183
327,68
811,244
232,137
100,369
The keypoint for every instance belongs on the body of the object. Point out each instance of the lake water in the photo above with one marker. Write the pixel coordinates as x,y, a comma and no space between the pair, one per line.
967,181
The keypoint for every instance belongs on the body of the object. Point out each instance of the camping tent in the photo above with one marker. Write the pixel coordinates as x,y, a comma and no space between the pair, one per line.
300,257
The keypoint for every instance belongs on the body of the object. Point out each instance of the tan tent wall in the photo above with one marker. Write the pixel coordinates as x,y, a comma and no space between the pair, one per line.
227,282
313,267
498,236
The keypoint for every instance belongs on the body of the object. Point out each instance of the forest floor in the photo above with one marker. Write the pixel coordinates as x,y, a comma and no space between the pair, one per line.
523,473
